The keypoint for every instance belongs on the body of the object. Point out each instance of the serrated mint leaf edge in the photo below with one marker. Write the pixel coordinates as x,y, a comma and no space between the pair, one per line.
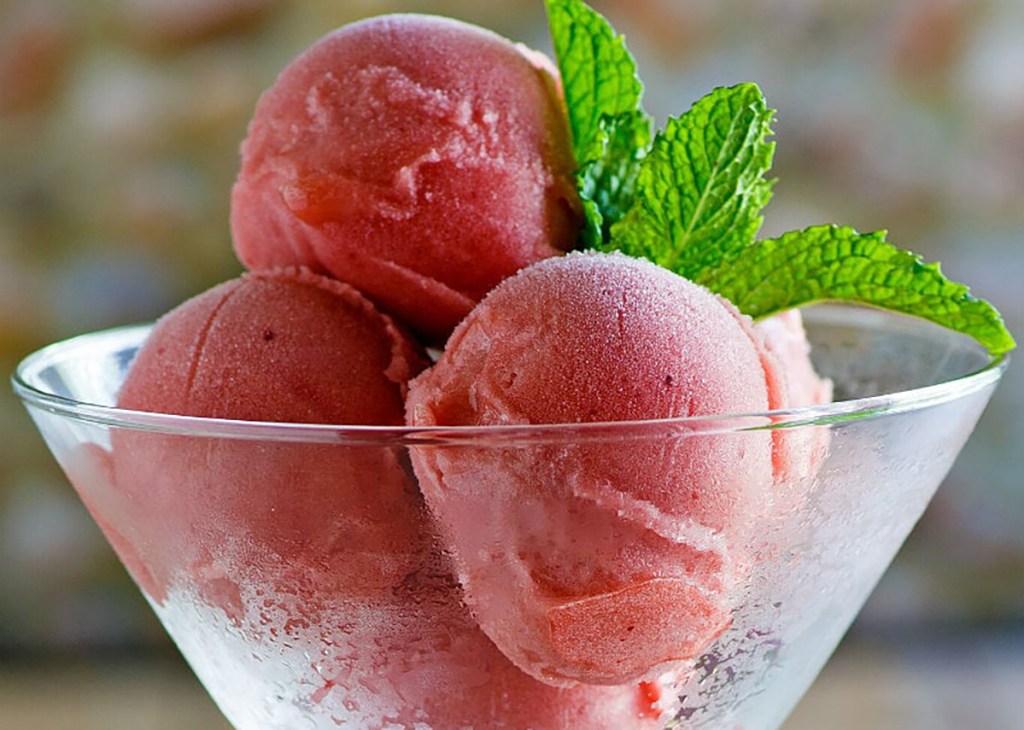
606,84
610,180
669,221
610,131
844,265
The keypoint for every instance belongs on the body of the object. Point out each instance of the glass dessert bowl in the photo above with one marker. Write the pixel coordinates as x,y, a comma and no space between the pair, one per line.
302,576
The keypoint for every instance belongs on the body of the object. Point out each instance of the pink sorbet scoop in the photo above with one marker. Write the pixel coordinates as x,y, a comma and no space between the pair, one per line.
286,345
598,555
798,451
418,158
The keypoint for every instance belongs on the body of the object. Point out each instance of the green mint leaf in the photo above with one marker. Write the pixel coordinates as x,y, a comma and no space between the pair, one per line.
608,182
700,190
598,73
691,201
610,131
835,263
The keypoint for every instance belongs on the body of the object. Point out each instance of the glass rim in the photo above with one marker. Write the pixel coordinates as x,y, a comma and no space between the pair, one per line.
818,415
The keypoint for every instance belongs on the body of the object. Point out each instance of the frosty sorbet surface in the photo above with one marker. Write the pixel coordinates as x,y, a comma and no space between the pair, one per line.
599,561
420,159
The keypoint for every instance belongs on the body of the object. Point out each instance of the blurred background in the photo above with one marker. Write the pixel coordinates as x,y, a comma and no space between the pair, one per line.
120,122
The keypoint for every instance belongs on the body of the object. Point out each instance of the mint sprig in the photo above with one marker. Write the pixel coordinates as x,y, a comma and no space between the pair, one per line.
836,263
700,190
610,130
691,201
607,183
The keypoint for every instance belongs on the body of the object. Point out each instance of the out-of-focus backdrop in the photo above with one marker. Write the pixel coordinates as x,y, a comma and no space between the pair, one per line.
119,129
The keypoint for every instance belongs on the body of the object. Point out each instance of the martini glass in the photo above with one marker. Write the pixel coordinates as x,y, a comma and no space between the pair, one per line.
302,578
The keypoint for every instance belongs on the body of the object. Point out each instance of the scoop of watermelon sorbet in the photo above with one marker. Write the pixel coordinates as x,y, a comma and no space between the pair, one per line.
418,158
608,554
799,452
287,346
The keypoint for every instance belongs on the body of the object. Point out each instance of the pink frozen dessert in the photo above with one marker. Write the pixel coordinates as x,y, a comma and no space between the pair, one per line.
285,345
284,549
403,655
799,452
786,339
418,158
591,555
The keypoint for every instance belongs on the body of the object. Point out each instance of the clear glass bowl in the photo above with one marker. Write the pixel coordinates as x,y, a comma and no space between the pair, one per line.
308,586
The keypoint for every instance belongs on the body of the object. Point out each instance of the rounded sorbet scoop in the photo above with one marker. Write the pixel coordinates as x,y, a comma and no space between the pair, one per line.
289,346
589,558
418,158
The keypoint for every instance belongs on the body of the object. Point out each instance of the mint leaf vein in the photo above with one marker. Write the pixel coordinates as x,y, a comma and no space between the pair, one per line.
610,130
691,200
836,263
598,73
701,188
